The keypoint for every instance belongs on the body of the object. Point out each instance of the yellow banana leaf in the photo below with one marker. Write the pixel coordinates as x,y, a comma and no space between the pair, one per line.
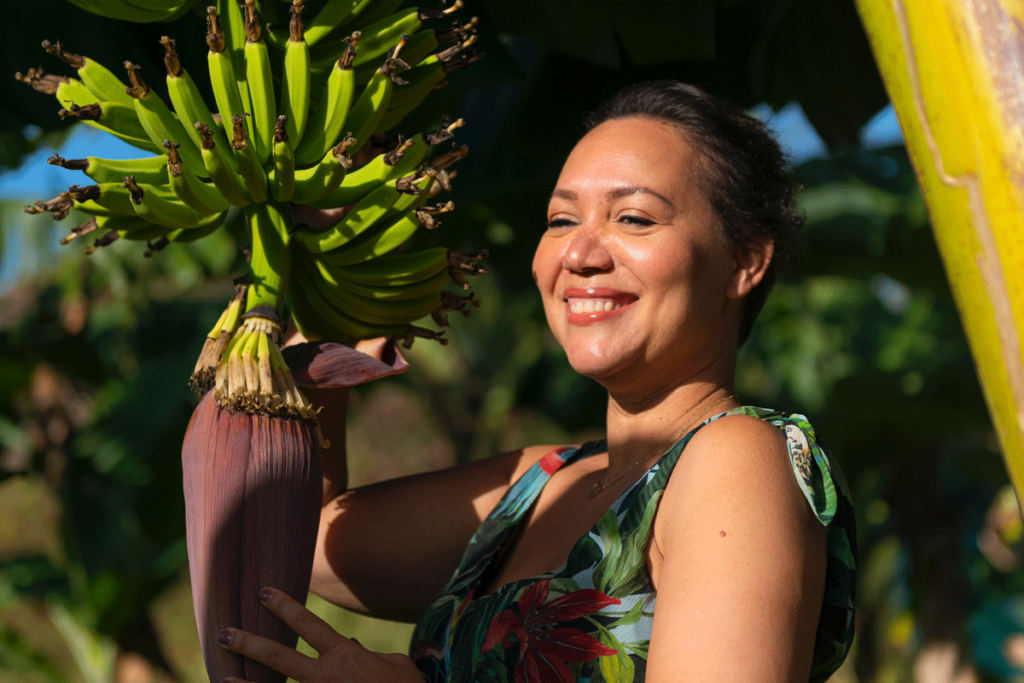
954,70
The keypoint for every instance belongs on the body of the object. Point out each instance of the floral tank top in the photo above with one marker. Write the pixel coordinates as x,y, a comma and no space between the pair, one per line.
590,620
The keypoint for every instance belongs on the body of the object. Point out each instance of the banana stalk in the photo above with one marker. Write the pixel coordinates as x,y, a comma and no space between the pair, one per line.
953,70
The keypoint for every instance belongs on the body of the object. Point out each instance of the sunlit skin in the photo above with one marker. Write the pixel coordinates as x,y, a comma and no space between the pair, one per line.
736,555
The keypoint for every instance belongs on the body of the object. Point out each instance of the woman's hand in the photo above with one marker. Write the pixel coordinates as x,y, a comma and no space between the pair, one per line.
341,659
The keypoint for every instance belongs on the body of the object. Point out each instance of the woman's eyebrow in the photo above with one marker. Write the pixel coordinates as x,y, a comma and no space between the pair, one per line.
617,193
628,190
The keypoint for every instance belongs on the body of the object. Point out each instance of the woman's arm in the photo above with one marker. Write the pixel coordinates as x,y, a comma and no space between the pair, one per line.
742,573
387,549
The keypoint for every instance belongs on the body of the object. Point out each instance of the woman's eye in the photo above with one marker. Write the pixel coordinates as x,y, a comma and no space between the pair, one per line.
554,223
635,220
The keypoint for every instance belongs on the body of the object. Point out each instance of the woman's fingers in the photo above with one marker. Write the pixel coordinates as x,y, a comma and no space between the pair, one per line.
311,628
291,663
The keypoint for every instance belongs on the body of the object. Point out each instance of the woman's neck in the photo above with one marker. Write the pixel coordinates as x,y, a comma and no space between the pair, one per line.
642,422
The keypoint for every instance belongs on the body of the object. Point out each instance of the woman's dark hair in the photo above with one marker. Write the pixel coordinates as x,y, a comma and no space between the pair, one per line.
742,170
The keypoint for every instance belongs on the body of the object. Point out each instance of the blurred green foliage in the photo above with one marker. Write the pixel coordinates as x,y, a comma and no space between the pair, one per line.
861,335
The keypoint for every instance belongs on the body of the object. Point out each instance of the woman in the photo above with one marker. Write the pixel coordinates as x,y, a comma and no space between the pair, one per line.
703,540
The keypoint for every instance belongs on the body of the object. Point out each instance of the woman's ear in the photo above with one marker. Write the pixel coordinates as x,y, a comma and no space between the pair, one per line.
751,266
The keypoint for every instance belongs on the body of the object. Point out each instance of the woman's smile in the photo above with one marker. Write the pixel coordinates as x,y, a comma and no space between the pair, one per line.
586,306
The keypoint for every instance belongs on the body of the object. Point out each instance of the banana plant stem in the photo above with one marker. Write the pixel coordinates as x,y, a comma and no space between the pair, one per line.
270,226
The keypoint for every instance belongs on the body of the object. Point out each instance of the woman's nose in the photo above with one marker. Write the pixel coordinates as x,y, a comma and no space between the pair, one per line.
587,251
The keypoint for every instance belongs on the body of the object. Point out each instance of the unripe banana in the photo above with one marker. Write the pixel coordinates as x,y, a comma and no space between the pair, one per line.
363,215
369,109
157,120
383,238
187,101
397,270
261,85
196,194
295,86
332,15
391,290
112,117
329,118
149,170
222,71
96,77
217,162
313,184
161,210
249,167
282,179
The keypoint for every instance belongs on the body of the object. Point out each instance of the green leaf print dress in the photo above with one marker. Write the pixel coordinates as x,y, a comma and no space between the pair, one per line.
590,620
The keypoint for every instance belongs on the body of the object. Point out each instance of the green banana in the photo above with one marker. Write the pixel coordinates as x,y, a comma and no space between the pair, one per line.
314,313
387,236
249,166
369,109
397,270
419,46
149,170
186,235
187,100
375,173
233,19
333,14
218,164
391,290
363,215
328,121
105,199
376,311
282,179
73,91
368,12
158,121
424,78
222,73
196,194
112,117
296,78
171,213
383,35
261,85
96,77
313,184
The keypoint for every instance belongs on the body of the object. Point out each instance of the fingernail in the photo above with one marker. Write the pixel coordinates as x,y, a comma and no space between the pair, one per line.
225,637
266,594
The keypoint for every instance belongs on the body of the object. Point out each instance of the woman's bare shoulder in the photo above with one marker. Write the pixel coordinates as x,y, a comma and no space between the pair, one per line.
735,472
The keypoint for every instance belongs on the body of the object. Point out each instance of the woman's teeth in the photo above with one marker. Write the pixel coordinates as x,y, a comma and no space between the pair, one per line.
592,305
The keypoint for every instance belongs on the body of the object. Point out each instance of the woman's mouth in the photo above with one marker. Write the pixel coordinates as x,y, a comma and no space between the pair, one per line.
593,305
590,305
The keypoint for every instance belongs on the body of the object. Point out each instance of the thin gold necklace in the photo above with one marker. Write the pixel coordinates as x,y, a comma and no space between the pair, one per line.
601,486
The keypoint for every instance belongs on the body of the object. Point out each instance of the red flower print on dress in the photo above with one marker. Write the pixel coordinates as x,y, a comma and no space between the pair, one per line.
545,653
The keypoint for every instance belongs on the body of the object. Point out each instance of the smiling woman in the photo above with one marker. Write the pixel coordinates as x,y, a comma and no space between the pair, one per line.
701,540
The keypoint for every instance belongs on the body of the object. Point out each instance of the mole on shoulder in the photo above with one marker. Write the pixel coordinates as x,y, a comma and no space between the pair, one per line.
721,533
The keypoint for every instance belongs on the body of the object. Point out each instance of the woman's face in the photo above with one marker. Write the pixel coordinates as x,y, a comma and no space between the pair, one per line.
637,280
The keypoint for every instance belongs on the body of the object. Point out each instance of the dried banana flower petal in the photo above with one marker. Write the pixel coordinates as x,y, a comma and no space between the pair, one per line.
330,365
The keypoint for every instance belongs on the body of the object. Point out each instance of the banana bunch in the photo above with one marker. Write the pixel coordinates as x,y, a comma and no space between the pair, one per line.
299,126
300,140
